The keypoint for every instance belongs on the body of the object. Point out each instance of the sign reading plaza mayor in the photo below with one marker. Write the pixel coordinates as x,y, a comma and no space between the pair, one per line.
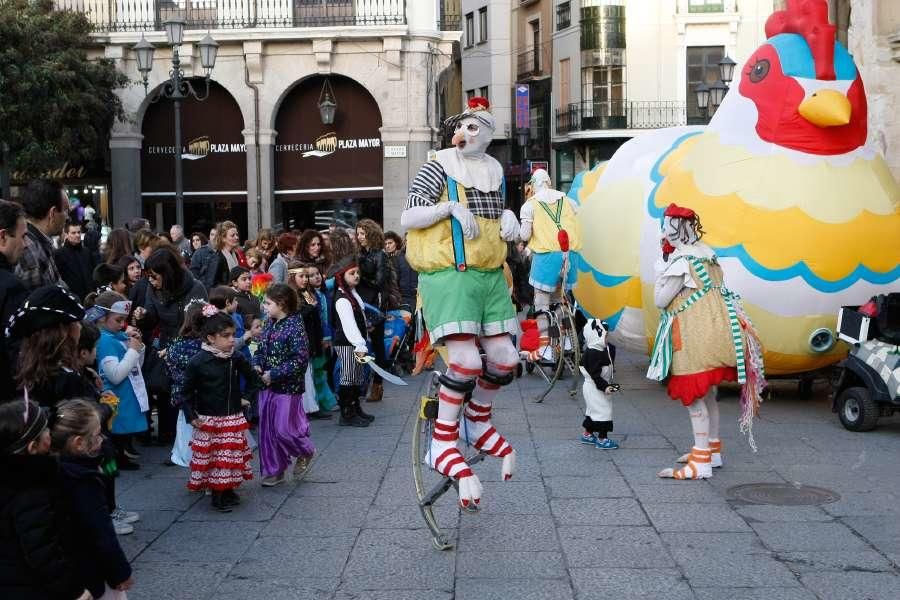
213,150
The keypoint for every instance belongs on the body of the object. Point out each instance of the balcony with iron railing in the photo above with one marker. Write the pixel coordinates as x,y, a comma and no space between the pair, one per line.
620,114
148,15
534,62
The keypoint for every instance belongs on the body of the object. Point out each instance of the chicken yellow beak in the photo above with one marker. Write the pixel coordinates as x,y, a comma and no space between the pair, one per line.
826,108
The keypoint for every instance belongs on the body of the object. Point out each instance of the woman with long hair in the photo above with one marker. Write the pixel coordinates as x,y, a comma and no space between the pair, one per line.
311,248
374,276
171,289
118,244
229,253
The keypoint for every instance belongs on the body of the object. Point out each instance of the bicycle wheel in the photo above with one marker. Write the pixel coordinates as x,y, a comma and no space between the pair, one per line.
552,370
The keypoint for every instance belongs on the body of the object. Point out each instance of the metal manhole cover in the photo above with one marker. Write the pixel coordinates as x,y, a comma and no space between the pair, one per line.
783,494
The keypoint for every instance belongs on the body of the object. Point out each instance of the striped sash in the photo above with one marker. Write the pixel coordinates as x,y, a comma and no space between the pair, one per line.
661,357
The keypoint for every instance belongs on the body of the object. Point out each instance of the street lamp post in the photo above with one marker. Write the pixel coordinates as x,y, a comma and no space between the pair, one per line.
177,88
709,97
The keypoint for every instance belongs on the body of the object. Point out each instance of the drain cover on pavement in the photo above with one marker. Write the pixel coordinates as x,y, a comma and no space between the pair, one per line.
783,494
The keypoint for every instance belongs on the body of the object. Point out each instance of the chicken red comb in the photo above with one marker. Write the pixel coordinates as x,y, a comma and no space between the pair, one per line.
808,18
681,212
479,103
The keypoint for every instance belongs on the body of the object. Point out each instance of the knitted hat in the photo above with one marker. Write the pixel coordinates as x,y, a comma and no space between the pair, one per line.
343,265
35,422
45,307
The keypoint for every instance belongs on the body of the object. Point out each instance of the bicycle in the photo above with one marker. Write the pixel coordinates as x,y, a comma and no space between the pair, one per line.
564,347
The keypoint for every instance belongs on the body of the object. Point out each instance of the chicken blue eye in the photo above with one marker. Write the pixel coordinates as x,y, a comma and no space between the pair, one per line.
759,70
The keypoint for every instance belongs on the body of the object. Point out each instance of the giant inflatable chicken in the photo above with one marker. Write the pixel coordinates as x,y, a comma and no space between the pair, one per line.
796,201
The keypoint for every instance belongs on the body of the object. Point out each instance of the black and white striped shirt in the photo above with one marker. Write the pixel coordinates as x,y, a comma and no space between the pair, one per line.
429,183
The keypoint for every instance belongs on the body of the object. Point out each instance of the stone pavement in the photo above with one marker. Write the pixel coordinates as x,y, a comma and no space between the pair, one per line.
576,522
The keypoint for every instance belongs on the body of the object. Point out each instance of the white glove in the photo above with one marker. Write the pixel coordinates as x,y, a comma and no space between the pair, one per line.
509,226
466,219
421,217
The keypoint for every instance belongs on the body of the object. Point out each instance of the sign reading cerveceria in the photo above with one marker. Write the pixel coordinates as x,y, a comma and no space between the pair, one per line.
329,143
199,147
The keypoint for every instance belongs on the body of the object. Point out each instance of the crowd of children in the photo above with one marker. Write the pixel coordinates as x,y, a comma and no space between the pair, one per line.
246,353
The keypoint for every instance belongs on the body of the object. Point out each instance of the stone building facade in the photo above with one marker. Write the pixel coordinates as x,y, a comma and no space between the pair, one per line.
382,60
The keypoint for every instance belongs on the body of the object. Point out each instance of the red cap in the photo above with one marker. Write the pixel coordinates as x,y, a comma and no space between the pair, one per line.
680,212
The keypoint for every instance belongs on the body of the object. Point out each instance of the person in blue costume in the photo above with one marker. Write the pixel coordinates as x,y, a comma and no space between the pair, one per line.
120,354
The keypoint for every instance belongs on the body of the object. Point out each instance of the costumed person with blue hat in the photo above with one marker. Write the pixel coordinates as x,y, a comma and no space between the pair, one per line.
458,228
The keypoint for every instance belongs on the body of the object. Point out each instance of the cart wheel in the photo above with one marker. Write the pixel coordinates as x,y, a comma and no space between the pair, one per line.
529,367
857,410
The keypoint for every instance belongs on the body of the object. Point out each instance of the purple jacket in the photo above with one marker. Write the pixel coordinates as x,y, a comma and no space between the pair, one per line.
283,350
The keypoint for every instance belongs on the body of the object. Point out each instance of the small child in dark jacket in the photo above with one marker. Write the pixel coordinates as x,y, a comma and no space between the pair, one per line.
597,366
33,563
211,401
88,536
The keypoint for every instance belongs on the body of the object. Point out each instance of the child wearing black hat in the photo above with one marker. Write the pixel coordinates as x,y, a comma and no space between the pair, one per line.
33,563
49,325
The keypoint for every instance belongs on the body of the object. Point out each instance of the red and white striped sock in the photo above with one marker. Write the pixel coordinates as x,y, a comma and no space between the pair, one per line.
479,430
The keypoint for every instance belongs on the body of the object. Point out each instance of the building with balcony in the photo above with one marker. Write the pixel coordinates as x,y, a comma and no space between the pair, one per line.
256,150
622,68
486,66
533,62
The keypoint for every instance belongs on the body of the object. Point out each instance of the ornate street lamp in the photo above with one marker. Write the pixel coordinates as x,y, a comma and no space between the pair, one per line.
717,93
726,70
177,88
327,103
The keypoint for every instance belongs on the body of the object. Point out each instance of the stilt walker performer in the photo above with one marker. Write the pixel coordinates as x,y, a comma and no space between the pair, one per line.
704,338
552,232
458,229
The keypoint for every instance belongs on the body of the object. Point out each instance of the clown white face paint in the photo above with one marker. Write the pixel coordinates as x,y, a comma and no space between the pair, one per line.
472,137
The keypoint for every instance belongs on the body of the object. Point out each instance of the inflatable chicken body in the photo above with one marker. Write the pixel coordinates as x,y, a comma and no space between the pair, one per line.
792,193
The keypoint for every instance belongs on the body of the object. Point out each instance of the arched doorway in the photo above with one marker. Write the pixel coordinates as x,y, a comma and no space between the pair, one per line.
214,162
328,173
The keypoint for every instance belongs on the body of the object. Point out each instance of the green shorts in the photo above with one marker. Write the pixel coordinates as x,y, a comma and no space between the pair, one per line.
472,301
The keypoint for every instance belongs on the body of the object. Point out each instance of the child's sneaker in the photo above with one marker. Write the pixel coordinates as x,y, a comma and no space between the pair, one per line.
606,444
122,528
588,438
125,516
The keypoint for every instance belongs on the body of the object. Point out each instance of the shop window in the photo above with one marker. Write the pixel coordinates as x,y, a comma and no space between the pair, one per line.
470,30
484,93
702,66
482,25
470,94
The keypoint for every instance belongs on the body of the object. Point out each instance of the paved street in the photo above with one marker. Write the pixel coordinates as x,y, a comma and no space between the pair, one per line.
576,522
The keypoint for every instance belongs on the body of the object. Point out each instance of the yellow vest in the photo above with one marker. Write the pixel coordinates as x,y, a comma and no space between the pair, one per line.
544,230
431,249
